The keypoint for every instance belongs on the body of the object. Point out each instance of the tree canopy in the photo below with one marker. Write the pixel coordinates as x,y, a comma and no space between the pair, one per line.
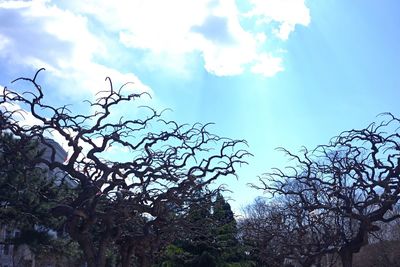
165,166
346,187
155,204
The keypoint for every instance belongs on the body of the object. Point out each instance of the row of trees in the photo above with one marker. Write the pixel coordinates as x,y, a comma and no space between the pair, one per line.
131,208
332,200
157,207
205,234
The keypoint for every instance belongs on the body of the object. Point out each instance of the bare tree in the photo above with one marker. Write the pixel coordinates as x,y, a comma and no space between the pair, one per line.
355,178
263,231
165,167
310,236
282,231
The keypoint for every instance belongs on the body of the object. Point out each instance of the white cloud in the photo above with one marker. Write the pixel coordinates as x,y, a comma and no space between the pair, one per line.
288,13
267,65
177,28
67,36
40,34
182,27
4,41
21,116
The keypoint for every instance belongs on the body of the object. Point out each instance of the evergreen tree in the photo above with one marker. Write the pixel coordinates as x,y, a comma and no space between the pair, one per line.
226,231
199,239
210,239
195,244
27,195
24,190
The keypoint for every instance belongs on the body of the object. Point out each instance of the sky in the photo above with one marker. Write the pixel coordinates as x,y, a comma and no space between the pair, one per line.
277,73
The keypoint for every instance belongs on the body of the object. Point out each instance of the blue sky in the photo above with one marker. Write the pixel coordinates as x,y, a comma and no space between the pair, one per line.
274,72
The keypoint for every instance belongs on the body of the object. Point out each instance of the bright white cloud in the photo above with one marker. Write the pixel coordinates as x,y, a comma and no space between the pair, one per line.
174,29
21,116
67,36
267,65
40,34
288,13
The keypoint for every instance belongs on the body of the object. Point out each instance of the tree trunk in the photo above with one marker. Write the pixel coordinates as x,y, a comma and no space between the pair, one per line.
142,251
144,261
93,258
88,253
317,262
307,263
126,256
347,258
102,250
126,261
84,240
101,260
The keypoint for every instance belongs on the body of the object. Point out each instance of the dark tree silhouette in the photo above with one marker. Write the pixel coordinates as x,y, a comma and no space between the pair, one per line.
27,194
281,232
354,179
164,169
226,232
208,234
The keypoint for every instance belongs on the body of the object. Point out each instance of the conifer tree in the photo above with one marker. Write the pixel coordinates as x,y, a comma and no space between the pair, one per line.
225,231
27,194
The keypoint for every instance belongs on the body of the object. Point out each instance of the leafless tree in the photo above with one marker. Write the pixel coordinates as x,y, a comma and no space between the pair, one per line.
262,231
355,178
163,169
282,231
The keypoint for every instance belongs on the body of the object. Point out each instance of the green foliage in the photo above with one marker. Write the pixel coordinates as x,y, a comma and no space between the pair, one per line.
210,238
27,195
44,244
26,191
175,256
226,231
